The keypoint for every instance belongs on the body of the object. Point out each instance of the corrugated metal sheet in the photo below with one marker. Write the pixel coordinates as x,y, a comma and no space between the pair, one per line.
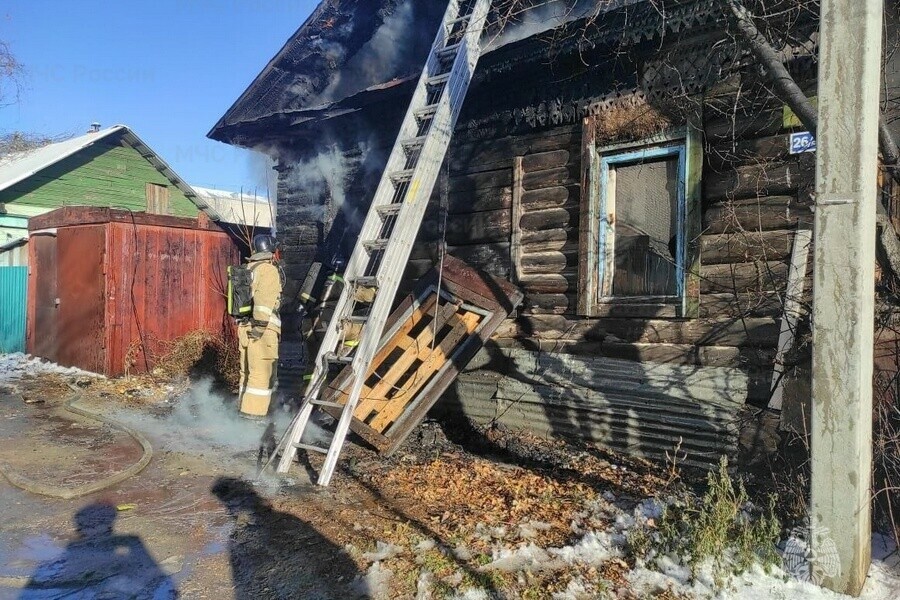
639,409
41,337
125,289
13,303
80,289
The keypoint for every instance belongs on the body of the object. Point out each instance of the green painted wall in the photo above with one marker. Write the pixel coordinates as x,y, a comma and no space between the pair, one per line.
107,173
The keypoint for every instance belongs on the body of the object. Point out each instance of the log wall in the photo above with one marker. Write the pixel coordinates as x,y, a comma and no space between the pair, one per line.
508,202
513,210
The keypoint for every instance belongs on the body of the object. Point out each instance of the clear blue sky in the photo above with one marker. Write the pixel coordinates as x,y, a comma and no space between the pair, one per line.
166,68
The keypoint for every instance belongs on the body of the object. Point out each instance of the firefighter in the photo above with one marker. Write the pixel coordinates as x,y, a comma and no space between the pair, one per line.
260,334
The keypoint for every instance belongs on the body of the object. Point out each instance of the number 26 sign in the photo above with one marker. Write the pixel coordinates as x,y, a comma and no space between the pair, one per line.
802,142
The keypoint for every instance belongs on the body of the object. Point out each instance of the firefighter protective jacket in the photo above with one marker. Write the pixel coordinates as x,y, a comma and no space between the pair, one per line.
266,290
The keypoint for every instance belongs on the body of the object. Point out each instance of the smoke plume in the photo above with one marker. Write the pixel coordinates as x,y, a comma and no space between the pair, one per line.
205,421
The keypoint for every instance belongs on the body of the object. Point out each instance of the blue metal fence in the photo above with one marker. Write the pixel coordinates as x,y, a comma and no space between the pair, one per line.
13,302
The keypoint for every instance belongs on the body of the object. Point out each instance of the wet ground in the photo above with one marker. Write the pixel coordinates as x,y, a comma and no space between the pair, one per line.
174,530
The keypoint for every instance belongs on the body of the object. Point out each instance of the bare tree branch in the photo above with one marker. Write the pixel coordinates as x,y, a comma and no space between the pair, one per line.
11,73
784,83
790,92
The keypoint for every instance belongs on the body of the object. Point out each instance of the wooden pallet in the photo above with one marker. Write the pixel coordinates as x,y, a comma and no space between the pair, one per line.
428,339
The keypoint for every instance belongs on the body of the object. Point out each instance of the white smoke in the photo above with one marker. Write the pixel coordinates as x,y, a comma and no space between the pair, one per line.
205,420
533,17
265,181
326,175
382,58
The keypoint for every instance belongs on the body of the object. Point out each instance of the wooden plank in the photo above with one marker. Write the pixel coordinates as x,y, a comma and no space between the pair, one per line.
548,236
544,284
550,178
494,295
554,304
412,347
492,198
693,218
745,246
563,245
545,160
758,276
551,218
757,331
744,304
547,262
793,310
757,214
463,325
488,226
589,224
491,257
673,354
753,181
467,184
515,240
419,313
766,149
551,197
490,154
759,124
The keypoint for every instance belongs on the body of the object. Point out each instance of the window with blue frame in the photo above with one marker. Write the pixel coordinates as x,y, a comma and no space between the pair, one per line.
637,218
641,245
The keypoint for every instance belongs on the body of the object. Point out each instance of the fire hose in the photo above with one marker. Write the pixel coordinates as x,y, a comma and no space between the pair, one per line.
67,493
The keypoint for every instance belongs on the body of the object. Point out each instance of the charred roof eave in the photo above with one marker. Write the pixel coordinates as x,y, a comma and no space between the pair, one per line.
570,38
326,42
300,124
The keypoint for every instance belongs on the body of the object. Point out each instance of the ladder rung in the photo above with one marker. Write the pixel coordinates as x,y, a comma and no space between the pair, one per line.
311,447
371,282
459,19
438,79
332,357
448,50
374,245
326,403
426,112
358,319
414,142
402,176
389,210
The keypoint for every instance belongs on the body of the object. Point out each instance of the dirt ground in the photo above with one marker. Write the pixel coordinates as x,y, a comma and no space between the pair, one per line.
197,524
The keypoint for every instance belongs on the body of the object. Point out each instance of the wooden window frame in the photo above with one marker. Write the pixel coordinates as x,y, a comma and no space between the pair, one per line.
596,228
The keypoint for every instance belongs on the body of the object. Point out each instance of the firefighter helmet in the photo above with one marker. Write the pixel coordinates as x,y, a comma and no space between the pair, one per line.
263,243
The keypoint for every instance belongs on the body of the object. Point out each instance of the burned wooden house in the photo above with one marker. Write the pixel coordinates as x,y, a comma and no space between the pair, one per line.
624,163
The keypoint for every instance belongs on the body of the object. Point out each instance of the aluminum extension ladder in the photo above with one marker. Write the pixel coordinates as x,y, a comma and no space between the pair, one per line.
374,270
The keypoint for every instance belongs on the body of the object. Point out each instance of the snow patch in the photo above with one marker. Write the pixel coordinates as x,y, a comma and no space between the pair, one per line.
472,594
530,529
17,365
423,585
383,551
595,548
377,580
530,557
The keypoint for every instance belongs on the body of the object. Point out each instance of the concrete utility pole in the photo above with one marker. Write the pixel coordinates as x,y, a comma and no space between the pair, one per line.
843,301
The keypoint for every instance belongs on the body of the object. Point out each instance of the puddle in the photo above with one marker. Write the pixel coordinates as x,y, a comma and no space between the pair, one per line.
219,543
20,558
